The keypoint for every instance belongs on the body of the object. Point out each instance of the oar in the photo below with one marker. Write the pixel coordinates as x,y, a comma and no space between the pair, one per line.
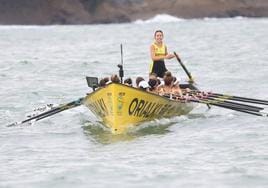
213,100
257,113
220,100
232,105
51,112
227,102
233,98
237,107
191,80
242,99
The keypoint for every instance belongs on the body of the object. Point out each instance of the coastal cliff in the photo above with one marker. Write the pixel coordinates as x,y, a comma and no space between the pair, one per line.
45,12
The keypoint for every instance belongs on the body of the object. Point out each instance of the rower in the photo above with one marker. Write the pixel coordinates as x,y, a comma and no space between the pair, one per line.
169,87
128,81
159,53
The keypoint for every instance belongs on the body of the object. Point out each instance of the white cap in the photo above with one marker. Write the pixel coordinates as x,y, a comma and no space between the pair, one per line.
143,84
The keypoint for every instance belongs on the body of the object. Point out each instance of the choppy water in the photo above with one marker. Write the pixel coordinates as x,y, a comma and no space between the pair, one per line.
215,148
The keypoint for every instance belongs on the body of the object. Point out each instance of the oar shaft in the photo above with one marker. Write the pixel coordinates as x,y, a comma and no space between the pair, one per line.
233,98
51,112
56,110
184,68
232,108
242,99
65,107
215,100
240,110
34,117
237,106
235,103
227,102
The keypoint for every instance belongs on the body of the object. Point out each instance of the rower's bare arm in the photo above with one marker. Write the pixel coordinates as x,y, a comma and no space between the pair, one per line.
169,56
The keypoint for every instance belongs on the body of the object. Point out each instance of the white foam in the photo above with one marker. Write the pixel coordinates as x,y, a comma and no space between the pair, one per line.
160,18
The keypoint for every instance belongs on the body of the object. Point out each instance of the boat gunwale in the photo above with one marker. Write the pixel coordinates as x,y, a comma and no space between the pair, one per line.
147,92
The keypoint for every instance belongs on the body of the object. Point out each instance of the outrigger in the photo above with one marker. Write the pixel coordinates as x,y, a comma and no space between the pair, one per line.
120,106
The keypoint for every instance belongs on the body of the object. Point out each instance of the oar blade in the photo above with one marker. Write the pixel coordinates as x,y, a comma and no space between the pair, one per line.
264,113
50,112
14,124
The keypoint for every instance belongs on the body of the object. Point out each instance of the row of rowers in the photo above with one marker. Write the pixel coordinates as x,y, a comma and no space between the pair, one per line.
169,85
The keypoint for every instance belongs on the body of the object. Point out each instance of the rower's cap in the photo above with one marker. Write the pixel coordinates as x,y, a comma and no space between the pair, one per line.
143,84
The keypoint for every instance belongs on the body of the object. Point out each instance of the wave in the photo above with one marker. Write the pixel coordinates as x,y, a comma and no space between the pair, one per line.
160,18
166,18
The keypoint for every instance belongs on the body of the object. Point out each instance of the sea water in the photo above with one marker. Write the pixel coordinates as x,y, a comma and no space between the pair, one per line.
42,65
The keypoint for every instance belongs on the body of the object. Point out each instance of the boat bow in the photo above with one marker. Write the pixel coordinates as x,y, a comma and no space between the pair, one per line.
121,106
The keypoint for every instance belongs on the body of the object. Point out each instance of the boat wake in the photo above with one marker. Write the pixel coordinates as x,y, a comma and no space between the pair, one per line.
103,135
97,131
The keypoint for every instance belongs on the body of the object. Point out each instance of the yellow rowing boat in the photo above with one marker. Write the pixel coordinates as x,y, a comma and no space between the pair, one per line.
121,106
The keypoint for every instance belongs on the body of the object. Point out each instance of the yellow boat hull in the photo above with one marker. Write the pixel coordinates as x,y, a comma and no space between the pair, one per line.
120,106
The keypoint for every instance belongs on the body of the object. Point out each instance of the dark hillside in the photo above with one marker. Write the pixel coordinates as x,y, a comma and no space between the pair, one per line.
45,12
